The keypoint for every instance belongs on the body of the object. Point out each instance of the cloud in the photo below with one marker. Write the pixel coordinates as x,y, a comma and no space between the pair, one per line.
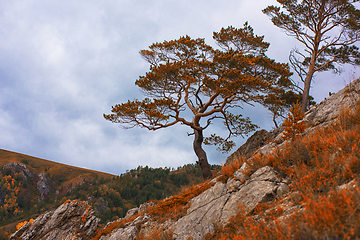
62,65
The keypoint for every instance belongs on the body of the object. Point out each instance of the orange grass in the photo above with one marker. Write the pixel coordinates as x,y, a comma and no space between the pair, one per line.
176,206
316,164
293,126
228,170
114,226
328,217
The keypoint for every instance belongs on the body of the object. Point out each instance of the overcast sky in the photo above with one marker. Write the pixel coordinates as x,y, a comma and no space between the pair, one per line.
65,63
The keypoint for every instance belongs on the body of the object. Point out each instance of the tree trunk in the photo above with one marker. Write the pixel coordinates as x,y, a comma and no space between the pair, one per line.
308,78
306,92
201,155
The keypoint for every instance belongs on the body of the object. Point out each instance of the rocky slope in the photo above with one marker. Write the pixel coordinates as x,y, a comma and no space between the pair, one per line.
72,220
30,186
209,208
318,116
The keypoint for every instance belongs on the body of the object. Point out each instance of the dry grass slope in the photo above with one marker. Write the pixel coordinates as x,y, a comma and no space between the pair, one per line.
41,165
317,165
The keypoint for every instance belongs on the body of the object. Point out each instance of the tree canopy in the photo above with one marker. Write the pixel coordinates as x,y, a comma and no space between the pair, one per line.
194,84
328,29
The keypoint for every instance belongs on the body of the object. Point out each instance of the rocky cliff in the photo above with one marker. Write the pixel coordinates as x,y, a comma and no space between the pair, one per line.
205,209
72,220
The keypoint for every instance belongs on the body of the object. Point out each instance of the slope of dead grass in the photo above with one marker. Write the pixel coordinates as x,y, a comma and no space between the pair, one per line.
41,165
317,165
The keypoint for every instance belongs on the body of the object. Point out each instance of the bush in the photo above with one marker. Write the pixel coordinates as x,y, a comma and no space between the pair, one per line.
293,126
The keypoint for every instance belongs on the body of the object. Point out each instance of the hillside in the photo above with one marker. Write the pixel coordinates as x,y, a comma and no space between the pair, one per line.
302,182
30,186
53,168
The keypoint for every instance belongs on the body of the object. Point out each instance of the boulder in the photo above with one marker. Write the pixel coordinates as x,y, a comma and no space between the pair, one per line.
217,205
71,220
132,229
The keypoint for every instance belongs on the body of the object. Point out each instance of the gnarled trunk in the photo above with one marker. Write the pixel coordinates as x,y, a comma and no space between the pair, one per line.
201,154
307,83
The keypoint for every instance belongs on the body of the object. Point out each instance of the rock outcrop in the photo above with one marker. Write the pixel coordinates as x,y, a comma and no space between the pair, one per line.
19,167
254,142
43,186
219,203
326,112
42,182
72,220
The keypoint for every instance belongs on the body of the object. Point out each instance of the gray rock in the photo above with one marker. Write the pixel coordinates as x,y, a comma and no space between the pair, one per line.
128,233
69,221
264,174
42,185
233,185
261,187
131,212
220,202
282,189
349,186
200,221
165,228
218,190
257,140
249,196
239,174
329,109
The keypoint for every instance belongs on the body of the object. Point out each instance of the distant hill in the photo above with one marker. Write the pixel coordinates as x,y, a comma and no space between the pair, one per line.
41,165
29,186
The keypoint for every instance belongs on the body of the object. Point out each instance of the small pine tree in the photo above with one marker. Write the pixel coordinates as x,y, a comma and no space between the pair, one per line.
293,126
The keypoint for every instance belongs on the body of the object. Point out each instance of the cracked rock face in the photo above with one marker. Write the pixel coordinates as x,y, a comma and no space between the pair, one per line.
217,205
42,185
72,220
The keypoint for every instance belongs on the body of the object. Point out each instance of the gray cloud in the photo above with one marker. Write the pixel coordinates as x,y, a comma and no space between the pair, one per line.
62,65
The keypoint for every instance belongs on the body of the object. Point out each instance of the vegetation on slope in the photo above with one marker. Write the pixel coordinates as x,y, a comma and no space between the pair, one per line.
317,165
110,196
141,185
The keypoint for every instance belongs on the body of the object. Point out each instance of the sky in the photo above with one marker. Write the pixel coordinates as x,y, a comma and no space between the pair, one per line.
63,64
